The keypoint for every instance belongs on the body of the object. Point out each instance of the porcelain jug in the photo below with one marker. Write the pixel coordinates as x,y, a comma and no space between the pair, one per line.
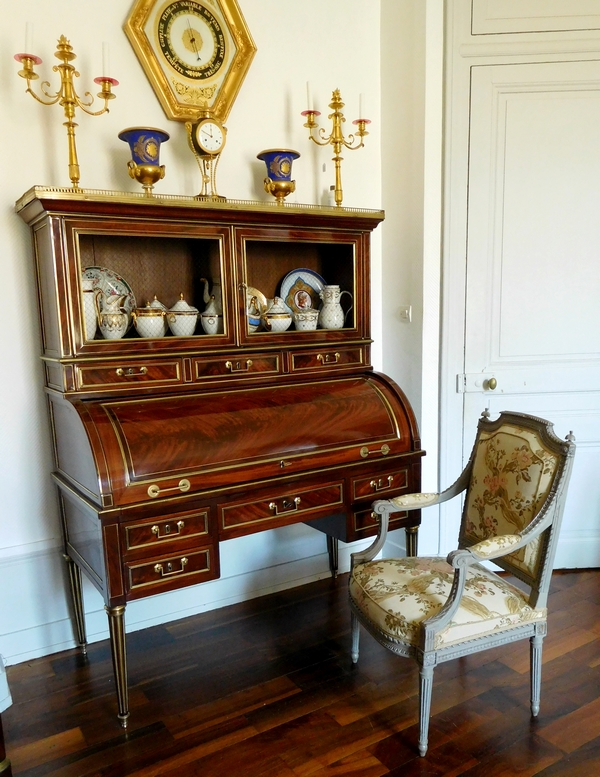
331,315
113,319
214,293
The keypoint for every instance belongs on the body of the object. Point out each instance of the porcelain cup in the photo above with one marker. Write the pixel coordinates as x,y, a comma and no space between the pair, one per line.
305,320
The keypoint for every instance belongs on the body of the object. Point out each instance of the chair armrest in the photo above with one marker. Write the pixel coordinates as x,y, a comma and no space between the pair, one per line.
496,546
417,501
412,501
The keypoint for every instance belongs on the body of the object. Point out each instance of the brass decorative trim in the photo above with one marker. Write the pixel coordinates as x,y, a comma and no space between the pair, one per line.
178,200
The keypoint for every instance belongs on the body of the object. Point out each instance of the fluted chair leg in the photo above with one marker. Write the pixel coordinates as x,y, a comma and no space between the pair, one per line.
536,672
355,628
426,685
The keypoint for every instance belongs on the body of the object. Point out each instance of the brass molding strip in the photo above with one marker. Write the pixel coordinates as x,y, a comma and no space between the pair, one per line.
106,195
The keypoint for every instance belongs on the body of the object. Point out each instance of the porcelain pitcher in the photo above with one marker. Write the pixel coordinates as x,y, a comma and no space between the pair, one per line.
331,315
112,317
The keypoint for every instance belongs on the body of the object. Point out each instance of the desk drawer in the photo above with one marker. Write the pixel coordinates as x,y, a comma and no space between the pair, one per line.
279,509
128,374
239,365
371,487
168,572
148,534
328,358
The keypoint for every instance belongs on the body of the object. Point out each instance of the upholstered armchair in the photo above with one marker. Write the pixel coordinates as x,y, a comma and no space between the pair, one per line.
434,609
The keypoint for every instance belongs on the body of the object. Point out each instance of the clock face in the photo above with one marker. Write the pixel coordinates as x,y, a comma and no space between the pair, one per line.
191,39
210,137
195,53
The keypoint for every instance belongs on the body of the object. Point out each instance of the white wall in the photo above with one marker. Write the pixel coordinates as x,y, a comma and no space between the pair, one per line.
412,43
332,43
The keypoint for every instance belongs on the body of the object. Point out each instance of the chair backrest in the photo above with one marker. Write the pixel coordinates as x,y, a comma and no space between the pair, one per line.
519,470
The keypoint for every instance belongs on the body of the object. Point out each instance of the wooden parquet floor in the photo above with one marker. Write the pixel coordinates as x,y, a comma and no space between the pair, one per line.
267,689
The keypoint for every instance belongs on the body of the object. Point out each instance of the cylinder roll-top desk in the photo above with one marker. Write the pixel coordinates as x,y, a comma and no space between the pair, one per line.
166,446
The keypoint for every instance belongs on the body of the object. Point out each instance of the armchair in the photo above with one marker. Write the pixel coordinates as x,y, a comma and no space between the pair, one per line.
434,609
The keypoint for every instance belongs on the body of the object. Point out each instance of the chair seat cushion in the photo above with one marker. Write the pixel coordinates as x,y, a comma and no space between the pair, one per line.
396,595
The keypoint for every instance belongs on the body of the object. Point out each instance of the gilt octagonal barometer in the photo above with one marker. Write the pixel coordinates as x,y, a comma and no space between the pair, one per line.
195,53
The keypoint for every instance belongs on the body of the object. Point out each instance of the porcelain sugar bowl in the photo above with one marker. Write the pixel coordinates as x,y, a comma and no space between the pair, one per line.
151,321
182,318
277,317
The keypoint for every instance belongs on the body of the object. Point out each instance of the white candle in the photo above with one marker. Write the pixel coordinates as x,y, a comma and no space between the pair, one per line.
309,102
105,60
361,106
28,38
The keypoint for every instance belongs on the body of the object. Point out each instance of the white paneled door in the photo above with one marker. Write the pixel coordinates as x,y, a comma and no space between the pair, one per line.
532,319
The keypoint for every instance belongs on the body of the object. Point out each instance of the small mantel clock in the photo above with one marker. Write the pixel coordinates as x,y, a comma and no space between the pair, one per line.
206,138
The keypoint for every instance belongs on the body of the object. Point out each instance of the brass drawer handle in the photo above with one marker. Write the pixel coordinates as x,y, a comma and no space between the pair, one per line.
328,359
238,366
379,485
365,452
167,531
130,372
160,570
289,506
183,485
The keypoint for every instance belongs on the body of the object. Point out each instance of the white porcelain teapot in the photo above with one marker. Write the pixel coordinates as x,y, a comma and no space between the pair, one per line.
213,294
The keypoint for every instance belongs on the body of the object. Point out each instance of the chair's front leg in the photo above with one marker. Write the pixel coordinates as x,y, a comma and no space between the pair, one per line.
536,671
355,629
425,688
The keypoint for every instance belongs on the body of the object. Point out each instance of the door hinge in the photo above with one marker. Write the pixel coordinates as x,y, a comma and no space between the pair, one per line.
461,383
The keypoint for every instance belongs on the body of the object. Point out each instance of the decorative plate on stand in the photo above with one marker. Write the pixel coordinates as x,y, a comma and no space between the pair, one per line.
300,289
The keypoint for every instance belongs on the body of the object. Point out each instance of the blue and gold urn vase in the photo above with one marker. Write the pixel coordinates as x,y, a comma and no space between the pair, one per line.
279,171
144,143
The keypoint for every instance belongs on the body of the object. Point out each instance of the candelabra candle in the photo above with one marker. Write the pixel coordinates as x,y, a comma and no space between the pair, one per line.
66,96
336,138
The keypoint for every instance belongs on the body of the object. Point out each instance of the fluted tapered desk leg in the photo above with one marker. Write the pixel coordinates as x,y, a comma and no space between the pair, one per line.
116,625
412,540
5,767
77,599
332,550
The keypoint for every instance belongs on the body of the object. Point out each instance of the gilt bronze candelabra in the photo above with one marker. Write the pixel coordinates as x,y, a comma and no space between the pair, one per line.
336,138
66,95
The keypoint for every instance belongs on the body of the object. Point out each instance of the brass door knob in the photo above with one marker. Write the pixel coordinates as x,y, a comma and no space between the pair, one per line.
491,384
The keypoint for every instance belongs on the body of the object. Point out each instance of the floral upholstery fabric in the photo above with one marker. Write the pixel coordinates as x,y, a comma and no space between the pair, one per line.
398,594
512,475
